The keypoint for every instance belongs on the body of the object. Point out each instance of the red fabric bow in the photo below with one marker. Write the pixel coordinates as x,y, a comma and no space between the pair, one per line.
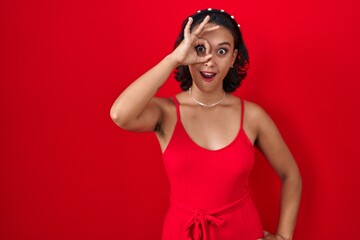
198,225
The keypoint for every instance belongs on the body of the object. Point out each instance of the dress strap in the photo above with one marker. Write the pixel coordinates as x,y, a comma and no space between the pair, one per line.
242,112
177,108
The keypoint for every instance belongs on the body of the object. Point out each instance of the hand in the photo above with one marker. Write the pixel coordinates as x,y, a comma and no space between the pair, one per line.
268,236
186,53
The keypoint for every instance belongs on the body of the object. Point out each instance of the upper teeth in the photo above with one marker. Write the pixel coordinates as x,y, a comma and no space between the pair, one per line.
208,74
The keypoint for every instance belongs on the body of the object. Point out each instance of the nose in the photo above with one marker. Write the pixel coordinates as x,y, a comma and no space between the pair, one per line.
210,62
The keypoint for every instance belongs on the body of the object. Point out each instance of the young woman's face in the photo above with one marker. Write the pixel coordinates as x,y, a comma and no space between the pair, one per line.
210,75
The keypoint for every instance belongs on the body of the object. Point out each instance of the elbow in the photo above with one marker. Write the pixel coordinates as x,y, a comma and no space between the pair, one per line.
293,176
114,116
298,178
294,179
118,118
300,182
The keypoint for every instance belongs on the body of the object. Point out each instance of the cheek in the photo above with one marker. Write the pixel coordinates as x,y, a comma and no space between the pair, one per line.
191,69
195,68
194,72
224,65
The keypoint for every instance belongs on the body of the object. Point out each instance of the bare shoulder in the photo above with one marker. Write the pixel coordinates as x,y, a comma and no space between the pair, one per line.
255,113
259,122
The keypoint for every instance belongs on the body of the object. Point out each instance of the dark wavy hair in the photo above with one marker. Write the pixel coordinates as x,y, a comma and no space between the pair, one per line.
238,72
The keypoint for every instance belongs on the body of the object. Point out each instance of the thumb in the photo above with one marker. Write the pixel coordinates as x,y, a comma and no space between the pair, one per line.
266,233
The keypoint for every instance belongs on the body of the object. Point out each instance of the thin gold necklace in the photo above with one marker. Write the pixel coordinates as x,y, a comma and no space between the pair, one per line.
204,104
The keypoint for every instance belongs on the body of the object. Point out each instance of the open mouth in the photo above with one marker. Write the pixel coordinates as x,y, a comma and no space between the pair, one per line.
208,75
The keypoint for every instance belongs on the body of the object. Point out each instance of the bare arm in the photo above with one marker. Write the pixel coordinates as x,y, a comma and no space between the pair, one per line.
136,109
272,145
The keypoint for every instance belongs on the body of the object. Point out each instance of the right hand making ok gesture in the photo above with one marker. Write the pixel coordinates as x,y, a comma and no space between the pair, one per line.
187,52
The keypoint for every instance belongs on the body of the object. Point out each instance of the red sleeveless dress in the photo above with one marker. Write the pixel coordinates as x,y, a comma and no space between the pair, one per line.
210,196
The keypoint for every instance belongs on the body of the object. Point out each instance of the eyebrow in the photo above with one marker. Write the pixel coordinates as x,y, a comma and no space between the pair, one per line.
224,43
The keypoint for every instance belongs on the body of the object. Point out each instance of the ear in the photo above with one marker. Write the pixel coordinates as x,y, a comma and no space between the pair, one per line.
235,53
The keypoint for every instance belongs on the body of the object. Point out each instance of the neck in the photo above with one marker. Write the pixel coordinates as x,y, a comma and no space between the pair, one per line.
207,99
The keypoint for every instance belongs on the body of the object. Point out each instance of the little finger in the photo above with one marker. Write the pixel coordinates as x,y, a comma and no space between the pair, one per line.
187,27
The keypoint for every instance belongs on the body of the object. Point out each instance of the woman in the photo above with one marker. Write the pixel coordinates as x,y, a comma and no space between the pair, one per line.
207,135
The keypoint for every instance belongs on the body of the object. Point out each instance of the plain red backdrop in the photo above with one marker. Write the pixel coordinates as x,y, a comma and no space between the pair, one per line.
68,172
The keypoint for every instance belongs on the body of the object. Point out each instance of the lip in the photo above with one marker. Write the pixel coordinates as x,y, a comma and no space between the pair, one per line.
207,76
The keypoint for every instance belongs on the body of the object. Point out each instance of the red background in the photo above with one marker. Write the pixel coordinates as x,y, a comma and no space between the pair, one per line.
67,171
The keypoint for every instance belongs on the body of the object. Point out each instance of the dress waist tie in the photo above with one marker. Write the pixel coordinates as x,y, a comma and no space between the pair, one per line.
197,228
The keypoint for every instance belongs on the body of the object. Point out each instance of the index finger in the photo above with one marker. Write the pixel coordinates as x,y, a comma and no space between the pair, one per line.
202,25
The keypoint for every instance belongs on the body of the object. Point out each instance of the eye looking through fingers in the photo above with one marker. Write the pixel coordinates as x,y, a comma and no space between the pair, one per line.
201,50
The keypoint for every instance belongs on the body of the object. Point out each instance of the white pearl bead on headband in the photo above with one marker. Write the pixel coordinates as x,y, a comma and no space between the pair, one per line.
210,9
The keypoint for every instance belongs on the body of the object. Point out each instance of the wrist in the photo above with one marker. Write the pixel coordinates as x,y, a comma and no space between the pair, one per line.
172,60
283,236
